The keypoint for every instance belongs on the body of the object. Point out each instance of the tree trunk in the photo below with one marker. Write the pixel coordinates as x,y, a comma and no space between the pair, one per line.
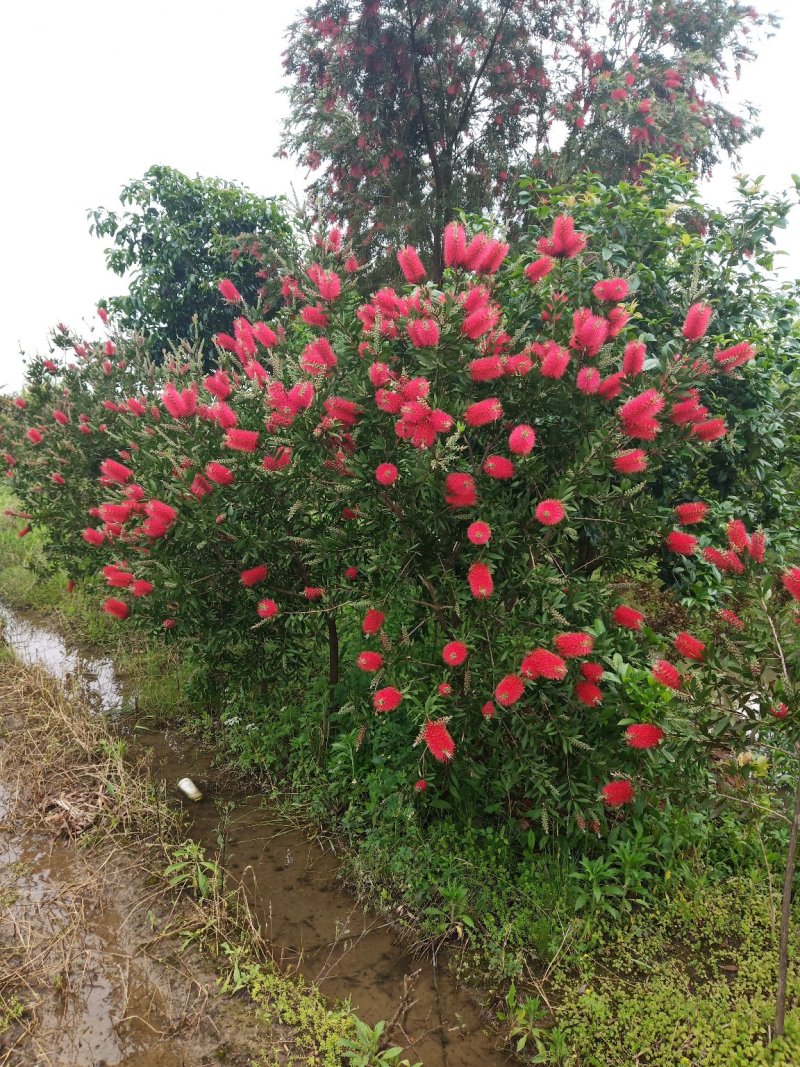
786,914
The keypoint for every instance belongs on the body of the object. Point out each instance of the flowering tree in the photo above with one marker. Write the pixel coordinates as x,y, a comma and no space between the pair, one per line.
440,104
436,514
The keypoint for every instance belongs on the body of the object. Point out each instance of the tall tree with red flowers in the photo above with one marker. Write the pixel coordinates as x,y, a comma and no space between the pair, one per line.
437,105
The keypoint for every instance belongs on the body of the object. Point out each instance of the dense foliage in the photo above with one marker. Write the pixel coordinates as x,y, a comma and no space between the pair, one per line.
440,105
174,237
440,517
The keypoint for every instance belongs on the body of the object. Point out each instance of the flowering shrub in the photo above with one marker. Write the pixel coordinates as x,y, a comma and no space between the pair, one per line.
450,500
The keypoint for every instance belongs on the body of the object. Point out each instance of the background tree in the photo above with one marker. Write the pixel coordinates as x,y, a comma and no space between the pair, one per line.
177,236
439,104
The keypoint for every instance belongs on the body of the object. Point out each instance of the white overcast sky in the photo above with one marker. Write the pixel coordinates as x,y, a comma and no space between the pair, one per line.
94,92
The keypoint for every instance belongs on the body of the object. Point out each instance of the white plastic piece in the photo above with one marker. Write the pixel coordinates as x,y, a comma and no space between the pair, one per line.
189,789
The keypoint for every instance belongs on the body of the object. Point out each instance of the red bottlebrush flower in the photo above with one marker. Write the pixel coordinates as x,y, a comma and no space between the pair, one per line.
696,322
444,689
498,467
509,690
229,291
411,265
480,581
589,694
758,542
423,333
61,418
522,439
486,369
24,531
479,533
483,412
565,242
611,290
279,461
254,575
539,269
550,512
455,245
611,386
573,645
118,608
592,672
638,414
58,479
644,735
667,673
683,543
141,587
115,472
780,712
318,357
179,403
691,513
369,661
157,509
732,618
379,374
373,622
688,646
328,282
617,319
589,332
791,582
264,335
93,537
588,380
712,430
735,356
313,592
633,358
460,491
221,475
555,360
267,609
627,617
386,699
420,785
726,562
454,653
632,462
541,663
168,624
386,474
34,436
314,315
70,586
200,486
738,537
351,574
437,737
20,403
617,793
488,711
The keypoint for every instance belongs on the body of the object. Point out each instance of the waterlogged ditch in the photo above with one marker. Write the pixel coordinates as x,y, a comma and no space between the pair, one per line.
311,924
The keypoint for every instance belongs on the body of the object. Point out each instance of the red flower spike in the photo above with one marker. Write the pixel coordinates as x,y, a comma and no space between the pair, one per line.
573,645
667,674
479,533
373,622
267,609
369,661
522,439
688,646
509,690
254,575
689,514
454,653
550,512
683,544
118,608
386,699
386,474
627,617
589,694
617,793
480,581
437,737
644,735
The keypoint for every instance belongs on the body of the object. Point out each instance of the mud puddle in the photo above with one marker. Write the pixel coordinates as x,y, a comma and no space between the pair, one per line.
311,924
74,949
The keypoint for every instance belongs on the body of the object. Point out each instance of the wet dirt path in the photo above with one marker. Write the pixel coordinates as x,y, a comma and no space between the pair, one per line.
312,925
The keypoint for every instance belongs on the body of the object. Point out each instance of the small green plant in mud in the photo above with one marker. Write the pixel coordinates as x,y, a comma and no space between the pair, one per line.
192,871
364,1048
11,1011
